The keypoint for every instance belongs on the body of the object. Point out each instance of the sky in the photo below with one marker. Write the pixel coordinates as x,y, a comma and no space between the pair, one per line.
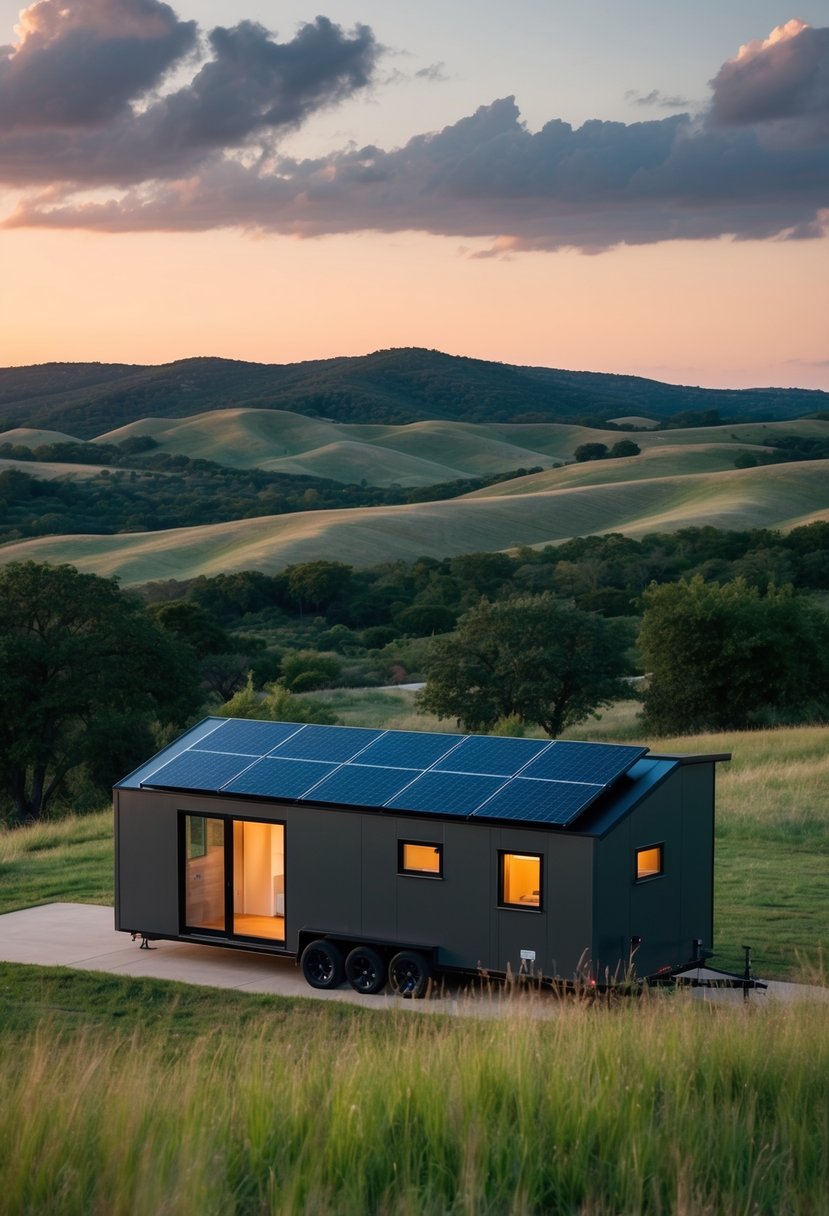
638,187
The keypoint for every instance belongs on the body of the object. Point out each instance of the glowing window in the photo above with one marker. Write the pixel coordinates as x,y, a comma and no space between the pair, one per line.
649,862
520,880
423,859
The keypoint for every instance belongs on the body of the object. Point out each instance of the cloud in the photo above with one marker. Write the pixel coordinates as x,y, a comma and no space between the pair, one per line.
655,98
80,63
176,164
69,88
435,72
782,78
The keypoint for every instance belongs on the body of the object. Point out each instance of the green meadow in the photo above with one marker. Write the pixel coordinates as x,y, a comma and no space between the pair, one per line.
135,1097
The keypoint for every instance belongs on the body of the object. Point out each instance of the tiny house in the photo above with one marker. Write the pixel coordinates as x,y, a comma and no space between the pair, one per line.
388,856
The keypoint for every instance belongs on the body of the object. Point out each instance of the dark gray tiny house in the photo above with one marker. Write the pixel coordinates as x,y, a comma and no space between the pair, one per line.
419,851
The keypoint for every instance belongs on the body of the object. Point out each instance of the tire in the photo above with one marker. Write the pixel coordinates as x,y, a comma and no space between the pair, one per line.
365,970
409,973
322,964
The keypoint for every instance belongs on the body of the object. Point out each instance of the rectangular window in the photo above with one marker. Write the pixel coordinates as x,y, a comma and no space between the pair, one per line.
423,859
649,862
520,880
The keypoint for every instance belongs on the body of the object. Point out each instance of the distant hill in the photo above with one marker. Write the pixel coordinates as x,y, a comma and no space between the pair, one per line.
388,387
778,496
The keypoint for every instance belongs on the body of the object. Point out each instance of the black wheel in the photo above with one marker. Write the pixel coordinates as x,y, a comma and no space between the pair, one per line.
322,964
365,970
409,973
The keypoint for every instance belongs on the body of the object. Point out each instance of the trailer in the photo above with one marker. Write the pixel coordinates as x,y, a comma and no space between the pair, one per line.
390,857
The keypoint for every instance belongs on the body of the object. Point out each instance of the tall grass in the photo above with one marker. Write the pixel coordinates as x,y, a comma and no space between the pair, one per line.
661,1107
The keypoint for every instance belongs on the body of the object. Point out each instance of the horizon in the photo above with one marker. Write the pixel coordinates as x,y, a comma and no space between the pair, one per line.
388,349
635,193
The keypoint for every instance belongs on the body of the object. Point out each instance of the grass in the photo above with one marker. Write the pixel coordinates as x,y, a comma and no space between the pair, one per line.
131,1098
779,496
61,861
135,1097
772,847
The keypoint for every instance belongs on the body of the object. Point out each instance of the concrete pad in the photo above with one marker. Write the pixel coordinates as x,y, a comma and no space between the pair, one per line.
83,936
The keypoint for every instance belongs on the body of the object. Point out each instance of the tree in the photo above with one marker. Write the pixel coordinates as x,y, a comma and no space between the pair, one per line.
83,674
723,657
531,657
276,704
591,451
317,584
625,447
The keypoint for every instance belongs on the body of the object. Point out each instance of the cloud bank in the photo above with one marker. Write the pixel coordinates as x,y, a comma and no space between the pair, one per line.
753,164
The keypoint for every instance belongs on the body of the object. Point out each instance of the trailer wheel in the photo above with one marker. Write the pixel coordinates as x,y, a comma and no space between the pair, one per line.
409,973
365,970
322,964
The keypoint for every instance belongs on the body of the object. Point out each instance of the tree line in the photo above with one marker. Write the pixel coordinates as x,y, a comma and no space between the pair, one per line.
95,678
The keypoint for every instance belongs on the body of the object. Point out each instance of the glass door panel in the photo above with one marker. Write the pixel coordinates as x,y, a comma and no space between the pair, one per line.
204,881
259,880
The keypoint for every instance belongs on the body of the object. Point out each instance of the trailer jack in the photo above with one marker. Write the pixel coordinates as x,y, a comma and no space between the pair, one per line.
145,941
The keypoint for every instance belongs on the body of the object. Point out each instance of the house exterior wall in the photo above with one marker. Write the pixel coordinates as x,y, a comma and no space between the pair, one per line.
668,912
341,876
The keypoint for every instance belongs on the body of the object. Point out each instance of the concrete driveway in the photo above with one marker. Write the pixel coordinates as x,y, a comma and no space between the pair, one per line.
82,936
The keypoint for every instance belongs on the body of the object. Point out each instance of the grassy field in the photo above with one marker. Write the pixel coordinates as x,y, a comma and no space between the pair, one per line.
136,1097
133,1098
779,496
422,453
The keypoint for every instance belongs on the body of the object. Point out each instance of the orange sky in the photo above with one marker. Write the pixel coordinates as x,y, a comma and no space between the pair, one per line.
715,311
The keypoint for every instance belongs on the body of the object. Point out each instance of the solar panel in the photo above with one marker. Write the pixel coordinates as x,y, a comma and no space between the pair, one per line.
445,793
198,771
497,756
363,785
554,802
279,778
409,749
247,738
334,743
594,763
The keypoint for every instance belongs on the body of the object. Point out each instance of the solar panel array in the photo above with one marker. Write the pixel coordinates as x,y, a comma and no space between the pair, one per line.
462,776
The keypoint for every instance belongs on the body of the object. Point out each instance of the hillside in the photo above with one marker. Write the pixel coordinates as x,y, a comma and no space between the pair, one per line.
777,496
392,386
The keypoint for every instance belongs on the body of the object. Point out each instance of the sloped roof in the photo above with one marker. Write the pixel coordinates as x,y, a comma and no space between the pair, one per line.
483,777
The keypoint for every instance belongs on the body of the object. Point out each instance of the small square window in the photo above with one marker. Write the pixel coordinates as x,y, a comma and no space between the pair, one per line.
520,880
425,860
649,862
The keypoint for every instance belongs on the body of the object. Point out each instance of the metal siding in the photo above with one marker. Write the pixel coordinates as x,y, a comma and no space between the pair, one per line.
323,872
696,911
147,864
379,849
568,901
612,900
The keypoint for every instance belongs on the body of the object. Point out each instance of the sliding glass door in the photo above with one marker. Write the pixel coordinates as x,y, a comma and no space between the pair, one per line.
234,877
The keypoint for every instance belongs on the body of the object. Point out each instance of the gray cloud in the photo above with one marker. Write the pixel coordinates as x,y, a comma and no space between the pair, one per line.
486,176
435,72
784,78
80,63
657,99
65,93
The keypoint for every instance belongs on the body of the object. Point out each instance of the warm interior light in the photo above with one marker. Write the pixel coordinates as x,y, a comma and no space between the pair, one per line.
649,862
425,858
521,879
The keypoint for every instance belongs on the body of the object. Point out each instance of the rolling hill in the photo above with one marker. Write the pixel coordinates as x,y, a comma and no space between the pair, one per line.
427,453
777,496
391,386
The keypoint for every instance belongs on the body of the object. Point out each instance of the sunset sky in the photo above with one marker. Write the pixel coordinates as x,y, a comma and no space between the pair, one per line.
638,187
